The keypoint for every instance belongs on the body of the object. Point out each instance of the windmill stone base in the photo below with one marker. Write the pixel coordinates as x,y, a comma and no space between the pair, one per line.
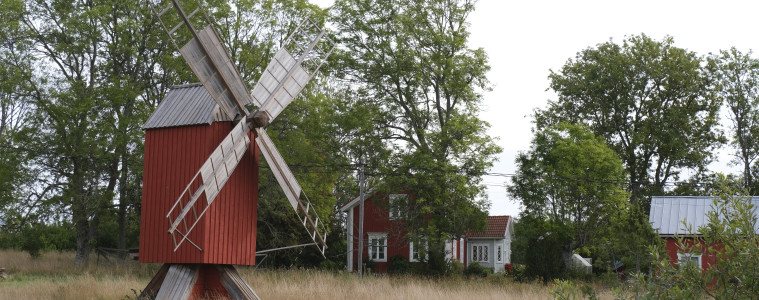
197,281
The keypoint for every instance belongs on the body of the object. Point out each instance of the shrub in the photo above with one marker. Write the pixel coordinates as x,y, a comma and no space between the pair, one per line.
564,290
519,274
369,266
399,265
329,265
475,269
32,241
457,267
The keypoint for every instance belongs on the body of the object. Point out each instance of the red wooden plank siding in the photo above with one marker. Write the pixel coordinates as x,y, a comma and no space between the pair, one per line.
227,232
376,220
707,259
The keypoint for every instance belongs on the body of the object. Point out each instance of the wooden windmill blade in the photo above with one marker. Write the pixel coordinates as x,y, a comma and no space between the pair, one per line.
207,57
294,193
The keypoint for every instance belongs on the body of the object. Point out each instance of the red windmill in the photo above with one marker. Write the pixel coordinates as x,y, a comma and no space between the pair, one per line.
201,169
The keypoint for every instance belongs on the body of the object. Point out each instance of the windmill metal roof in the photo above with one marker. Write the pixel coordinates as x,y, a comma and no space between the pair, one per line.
668,213
188,104
496,228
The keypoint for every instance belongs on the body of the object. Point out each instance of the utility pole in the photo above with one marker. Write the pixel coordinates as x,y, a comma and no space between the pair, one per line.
361,182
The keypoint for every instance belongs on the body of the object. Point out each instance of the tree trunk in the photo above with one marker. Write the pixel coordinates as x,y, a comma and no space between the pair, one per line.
81,222
123,202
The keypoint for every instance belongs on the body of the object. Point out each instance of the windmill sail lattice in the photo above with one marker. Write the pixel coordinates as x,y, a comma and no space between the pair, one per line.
291,68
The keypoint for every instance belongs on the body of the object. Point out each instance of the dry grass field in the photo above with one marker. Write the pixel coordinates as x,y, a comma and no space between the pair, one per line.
54,276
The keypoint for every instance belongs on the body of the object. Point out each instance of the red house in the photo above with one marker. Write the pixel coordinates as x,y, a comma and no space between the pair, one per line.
180,135
667,215
385,236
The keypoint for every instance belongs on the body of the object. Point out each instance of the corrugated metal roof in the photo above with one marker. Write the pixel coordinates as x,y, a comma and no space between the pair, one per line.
496,228
668,212
188,104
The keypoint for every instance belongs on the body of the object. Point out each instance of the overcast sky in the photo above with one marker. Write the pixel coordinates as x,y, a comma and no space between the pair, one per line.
526,39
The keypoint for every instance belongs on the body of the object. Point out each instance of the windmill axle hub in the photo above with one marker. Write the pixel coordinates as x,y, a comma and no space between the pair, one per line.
259,119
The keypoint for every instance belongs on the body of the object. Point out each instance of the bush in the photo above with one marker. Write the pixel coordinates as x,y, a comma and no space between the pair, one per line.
457,267
519,274
329,265
475,269
566,290
369,266
32,241
399,265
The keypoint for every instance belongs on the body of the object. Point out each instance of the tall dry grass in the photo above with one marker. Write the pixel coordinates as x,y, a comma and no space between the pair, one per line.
300,284
54,276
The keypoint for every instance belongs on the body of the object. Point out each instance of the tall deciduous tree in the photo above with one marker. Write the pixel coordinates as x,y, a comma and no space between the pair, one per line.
737,84
99,77
651,101
412,62
570,177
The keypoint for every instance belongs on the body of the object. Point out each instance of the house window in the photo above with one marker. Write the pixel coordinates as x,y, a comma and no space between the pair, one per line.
378,247
499,253
480,253
398,205
687,258
416,251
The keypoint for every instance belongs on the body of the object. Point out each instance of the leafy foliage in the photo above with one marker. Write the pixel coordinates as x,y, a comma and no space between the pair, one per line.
476,270
737,85
409,61
650,101
568,182
399,265
541,244
96,83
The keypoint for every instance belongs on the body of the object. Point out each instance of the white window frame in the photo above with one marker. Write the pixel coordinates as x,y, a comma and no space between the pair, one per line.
684,258
411,253
395,209
499,253
374,253
480,253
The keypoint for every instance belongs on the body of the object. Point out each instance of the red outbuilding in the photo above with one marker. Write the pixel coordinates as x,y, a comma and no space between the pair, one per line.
667,216
180,135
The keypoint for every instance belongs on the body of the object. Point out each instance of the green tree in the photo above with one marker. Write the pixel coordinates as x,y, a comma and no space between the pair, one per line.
15,109
99,77
411,61
570,177
539,245
706,183
626,239
651,101
737,84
